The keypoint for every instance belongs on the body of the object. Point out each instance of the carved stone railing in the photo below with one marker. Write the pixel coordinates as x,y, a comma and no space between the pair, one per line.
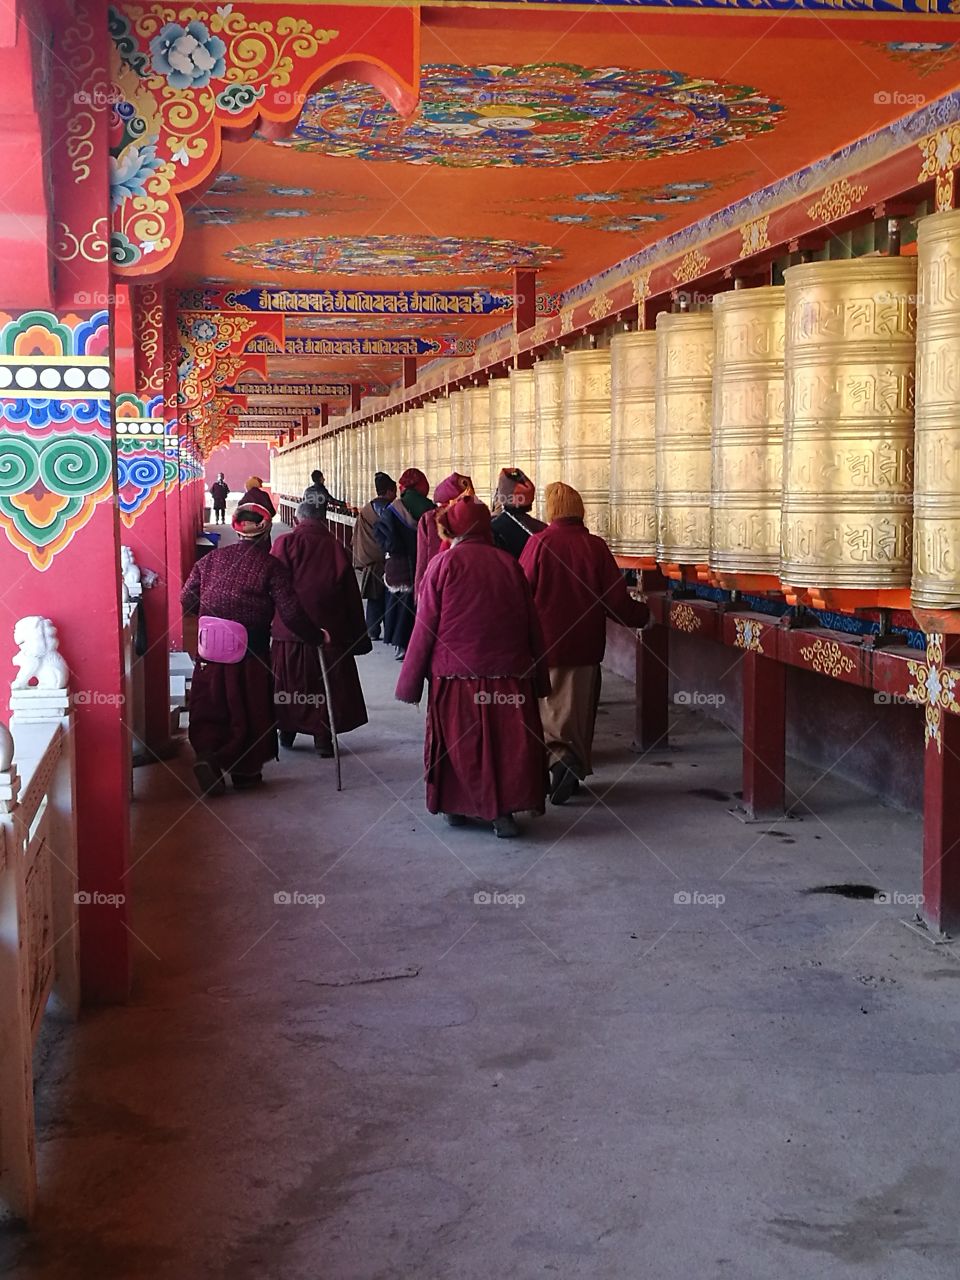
39,902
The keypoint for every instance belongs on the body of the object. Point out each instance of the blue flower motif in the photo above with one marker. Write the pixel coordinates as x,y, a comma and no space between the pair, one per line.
204,330
190,57
130,171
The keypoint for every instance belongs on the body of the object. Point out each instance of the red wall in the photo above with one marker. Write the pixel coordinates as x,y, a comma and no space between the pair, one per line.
238,461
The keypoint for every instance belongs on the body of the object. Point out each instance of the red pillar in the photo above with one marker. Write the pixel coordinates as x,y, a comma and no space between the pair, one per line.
524,300
941,814
356,396
174,499
764,736
409,371
652,731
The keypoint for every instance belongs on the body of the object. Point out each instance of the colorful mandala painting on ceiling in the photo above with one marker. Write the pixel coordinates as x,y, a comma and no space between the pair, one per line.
393,255
542,115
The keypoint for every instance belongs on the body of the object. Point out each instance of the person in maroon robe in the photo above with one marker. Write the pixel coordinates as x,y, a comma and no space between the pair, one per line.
233,727
257,494
576,585
327,590
429,542
484,754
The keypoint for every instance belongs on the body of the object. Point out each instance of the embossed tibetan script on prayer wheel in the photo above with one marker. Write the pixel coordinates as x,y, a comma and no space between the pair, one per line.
499,399
458,450
523,422
444,464
548,381
747,440
936,562
585,434
683,416
430,443
848,424
476,437
633,455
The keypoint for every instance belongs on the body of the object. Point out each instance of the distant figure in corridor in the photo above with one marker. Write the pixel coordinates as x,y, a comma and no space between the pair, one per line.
219,492
396,531
326,587
321,497
428,537
514,524
368,555
576,585
236,590
257,494
478,639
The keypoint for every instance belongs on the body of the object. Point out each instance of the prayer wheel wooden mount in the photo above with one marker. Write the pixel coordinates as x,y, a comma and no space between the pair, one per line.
848,433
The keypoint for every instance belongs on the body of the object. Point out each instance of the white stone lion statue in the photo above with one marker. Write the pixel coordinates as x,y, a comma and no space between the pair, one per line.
39,657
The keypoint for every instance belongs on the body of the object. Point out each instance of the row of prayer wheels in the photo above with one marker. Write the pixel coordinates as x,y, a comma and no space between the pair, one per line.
771,438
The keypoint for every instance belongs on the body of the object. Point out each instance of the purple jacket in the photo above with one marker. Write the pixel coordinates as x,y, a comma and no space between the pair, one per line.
577,585
475,617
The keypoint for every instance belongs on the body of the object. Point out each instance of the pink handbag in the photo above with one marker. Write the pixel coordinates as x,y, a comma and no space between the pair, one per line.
219,640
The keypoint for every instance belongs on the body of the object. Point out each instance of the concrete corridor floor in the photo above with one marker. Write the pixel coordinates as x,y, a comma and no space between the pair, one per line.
602,1080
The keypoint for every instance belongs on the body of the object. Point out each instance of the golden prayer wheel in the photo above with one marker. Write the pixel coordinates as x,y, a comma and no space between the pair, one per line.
501,454
633,454
936,560
848,424
523,421
443,465
585,435
747,470
418,440
458,459
476,436
430,443
548,384
683,417
378,460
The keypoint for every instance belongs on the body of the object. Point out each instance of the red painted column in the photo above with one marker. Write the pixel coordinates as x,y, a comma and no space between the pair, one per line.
409,371
524,300
356,396
652,731
941,813
764,736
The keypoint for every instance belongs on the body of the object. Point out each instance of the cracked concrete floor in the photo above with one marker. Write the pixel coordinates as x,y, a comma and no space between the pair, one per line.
599,1081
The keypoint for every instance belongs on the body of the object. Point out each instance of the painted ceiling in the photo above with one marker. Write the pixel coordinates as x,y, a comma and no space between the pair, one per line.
564,141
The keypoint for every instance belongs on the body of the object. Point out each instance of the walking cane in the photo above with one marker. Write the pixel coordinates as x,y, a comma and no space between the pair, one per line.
330,720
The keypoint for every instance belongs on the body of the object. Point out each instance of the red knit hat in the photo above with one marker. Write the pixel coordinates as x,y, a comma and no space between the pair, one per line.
251,528
515,488
413,478
451,488
465,516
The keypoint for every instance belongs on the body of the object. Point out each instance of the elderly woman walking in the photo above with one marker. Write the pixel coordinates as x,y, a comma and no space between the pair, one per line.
396,531
484,753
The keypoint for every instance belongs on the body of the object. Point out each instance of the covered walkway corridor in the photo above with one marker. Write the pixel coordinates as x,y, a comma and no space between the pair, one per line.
602,1081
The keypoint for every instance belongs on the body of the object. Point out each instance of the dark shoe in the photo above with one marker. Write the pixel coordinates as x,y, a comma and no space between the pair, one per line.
246,781
505,827
324,746
287,740
455,819
565,783
209,777
400,656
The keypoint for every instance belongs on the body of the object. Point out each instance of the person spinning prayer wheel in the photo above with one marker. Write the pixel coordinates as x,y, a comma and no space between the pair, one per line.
484,754
514,524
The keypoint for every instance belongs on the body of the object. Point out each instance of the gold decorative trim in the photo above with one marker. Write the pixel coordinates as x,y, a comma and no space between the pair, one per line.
935,689
836,201
641,289
684,619
692,265
941,155
754,236
828,658
749,634
601,308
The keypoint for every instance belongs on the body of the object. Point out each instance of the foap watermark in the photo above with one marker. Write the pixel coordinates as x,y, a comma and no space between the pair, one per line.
698,698
99,96
95,898
893,898
97,698
896,98
884,699
494,898
295,898
297,698
694,898
96,299
497,698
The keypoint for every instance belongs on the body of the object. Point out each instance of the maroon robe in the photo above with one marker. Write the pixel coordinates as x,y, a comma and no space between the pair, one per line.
483,754
327,590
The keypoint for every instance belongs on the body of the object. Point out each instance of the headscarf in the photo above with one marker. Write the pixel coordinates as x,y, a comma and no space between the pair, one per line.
249,529
451,488
255,482
414,487
465,517
563,502
515,489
